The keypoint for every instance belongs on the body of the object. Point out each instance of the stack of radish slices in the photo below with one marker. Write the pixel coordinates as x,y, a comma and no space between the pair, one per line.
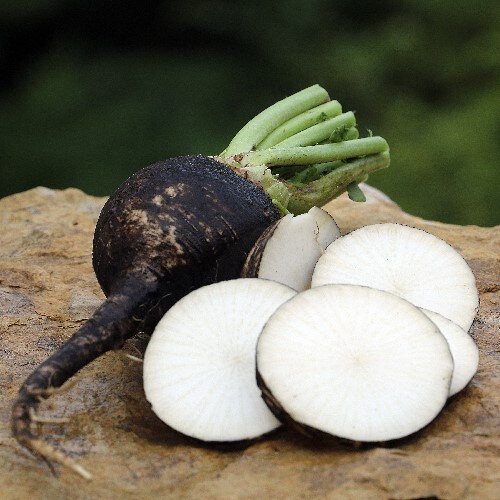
362,337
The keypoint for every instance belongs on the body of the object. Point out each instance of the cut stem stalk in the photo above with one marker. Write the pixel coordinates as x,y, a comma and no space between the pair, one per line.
320,132
331,185
301,122
308,155
352,134
313,172
274,116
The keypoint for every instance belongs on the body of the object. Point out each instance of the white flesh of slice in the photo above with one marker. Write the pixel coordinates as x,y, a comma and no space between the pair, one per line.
199,366
355,362
463,349
295,246
405,261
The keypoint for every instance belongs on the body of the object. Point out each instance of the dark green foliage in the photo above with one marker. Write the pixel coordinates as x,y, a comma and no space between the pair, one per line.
90,93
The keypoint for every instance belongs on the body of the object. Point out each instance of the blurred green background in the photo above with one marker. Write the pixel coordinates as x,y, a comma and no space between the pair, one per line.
91,91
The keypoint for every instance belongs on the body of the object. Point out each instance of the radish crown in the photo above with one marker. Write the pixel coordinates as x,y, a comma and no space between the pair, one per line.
303,151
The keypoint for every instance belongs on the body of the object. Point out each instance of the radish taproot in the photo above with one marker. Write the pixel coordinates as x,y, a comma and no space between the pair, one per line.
353,362
199,369
186,222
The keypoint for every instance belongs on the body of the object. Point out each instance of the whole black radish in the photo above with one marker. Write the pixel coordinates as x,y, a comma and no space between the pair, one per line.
169,229
191,221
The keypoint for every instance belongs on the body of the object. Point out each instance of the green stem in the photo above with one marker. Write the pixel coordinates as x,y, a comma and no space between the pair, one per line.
313,172
348,134
328,187
351,134
301,122
274,116
320,132
303,151
314,154
288,172
354,192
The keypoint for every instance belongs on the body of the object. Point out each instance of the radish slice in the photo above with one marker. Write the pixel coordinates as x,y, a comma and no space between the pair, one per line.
354,362
405,261
199,366
463,349
288,252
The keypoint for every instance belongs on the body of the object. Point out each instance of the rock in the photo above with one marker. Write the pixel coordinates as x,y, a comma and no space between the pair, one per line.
47,289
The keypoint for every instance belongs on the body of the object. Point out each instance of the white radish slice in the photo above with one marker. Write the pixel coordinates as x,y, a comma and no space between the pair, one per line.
463,350
290,250
199,366
354,362
405,261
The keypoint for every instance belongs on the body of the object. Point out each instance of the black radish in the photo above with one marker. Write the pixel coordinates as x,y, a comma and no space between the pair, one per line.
463,350
289,249
408,262
199,369
190,221
355,363
169,229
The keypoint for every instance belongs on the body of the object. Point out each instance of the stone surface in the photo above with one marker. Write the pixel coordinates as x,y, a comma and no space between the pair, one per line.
47,289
